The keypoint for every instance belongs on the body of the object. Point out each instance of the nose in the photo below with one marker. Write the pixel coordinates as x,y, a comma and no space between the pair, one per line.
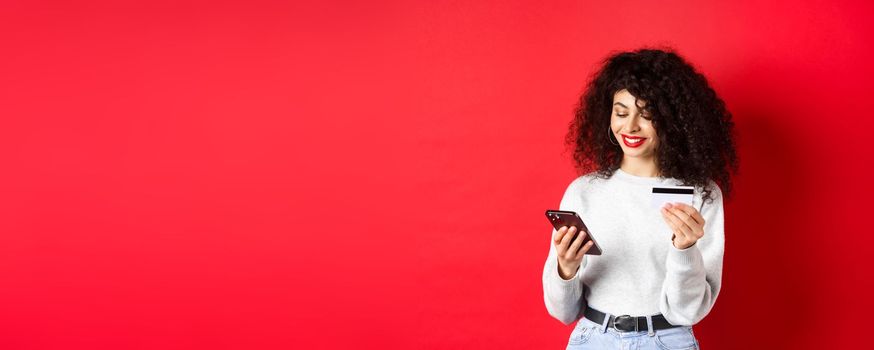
632,125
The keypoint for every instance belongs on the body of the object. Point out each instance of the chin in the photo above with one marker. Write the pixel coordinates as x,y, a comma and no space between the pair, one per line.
638,153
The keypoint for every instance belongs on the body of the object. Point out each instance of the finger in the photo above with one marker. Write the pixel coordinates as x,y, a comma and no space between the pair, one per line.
584,250
565,241
679,239
686,233
667,217
681,243
677,224
685,217
697,215
569,254
691,211
578,241
696,226
559,234
681,224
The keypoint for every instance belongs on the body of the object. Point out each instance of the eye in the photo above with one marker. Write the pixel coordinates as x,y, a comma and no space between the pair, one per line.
621,115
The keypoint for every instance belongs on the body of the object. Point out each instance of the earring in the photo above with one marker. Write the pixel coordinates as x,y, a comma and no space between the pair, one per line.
609,134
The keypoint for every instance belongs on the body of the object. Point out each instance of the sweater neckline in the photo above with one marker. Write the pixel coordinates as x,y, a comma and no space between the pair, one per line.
642,180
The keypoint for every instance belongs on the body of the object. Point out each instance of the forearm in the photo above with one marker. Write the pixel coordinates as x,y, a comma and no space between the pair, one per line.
563,297
687,294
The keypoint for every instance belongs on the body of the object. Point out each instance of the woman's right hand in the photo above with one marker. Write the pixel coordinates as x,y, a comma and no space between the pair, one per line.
570,255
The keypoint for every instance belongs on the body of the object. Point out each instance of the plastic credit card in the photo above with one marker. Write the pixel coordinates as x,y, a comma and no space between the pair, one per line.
671,194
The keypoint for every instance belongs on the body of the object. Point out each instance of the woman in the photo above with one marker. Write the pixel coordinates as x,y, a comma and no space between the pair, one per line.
647,119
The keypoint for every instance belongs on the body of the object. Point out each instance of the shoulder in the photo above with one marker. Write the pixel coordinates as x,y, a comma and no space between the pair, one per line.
715,195
715,191
577,191
585,183
711,186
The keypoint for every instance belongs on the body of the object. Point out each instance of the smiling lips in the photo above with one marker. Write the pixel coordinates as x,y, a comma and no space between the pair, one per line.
632,141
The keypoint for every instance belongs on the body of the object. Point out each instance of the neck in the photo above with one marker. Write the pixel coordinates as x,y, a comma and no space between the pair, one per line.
640,167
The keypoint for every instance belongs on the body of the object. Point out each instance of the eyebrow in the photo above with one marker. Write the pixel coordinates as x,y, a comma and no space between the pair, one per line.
626,107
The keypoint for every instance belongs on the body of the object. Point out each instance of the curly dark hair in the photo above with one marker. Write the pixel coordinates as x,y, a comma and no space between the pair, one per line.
694,128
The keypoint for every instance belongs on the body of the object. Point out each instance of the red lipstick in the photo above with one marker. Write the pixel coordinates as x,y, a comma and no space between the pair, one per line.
634,140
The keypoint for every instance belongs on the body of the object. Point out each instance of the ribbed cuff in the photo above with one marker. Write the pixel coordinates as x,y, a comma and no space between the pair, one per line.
562,286
684,259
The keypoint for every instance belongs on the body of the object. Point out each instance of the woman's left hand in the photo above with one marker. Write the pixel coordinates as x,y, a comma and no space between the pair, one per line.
686,222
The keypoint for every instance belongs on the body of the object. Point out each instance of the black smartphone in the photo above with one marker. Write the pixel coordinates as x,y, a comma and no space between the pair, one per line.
560,218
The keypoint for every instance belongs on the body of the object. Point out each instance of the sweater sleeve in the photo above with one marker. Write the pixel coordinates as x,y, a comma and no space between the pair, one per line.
694,275
563,298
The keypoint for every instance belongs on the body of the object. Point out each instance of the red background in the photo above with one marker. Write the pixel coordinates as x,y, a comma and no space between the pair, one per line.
239,174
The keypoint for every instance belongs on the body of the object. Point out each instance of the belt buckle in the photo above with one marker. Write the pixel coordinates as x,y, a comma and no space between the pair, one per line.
624,320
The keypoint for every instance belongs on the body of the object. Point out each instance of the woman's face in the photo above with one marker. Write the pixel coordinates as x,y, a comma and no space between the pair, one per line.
629,122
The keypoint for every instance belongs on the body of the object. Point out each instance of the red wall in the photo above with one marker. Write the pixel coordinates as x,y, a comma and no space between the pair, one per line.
242,175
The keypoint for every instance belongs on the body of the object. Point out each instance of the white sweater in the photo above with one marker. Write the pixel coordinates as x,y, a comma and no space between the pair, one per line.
640,272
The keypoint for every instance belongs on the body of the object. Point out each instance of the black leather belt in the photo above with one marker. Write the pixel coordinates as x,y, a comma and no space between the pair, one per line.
627,323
